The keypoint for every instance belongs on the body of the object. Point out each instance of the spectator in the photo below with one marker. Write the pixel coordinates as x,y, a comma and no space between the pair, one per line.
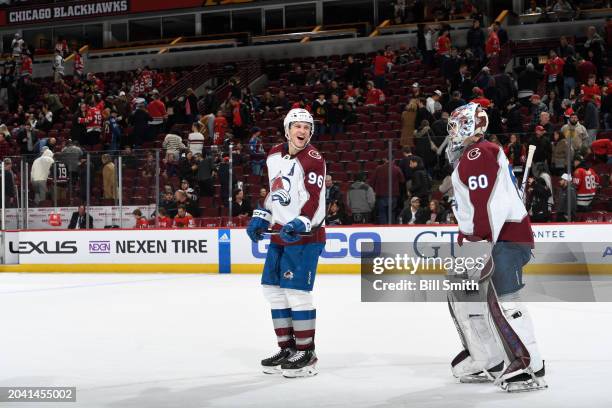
380,69
425,148
10,188
72,154
492,48
182,199
533,8
420,183
183,219
297,77
58,67
374,96
240,206
224,180
586,181
565,48
408,119
327,75
5,146
540,193
528,82
169,203
559,154
334,215
210,103
261,200
163,220
433,102
537,107
191,106
501,33
516,154
569,76
173,144
540,171
109,178
149,166
544,121
553,104
312,76
336,115
591,119
196,139
543,146
476,40
205,174
48,142
256,152
361,200
584,69
436,215
141,221
413,213
332,191
140,120
595,44
157,111
80,219
319,112
443,44
386,200
354,71
455,102
575,133
40,173
553,71
567,188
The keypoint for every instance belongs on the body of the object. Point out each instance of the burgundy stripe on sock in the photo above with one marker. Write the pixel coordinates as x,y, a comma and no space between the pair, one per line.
303,334
284,331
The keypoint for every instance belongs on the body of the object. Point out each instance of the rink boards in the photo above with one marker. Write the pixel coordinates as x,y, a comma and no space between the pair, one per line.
576,249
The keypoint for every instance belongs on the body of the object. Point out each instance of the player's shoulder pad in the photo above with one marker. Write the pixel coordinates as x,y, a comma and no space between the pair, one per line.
482,151
311,159
312,153
276,149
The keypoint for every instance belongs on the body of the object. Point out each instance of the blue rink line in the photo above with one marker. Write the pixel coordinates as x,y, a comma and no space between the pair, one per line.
92,285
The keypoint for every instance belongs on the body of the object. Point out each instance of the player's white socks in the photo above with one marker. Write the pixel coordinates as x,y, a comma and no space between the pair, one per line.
281,315
304,318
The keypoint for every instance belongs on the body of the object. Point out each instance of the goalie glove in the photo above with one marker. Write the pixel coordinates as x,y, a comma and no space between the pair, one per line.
260,221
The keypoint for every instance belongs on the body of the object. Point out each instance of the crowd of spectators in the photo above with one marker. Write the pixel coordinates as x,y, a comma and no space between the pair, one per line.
560,107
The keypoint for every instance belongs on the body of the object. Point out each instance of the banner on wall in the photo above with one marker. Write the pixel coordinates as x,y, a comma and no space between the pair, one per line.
560,248
56,12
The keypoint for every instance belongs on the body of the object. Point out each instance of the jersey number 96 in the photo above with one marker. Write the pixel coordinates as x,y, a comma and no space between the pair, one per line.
313,179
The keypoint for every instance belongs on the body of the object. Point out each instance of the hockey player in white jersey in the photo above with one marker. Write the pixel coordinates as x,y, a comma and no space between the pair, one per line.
295,211
496,329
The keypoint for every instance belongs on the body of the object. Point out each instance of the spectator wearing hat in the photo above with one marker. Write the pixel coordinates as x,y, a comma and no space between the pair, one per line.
413,213
433,104
575,132
537,107
479,98
566,207
543,147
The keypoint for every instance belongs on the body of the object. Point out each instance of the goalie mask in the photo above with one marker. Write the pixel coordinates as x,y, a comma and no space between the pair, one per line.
298,115
465,121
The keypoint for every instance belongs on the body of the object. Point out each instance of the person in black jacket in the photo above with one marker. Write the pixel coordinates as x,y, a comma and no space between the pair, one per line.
354,72
240,206
80,219
413,213
476,40
420,184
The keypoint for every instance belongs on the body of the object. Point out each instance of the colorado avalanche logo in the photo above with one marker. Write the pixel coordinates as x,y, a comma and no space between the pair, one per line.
280,188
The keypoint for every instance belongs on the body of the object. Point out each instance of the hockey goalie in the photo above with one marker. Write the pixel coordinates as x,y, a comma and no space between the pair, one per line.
494,326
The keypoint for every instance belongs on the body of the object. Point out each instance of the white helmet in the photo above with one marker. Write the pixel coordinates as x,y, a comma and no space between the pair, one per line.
465,121
298,115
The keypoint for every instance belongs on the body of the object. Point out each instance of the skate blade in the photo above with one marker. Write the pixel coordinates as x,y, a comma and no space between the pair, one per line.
474,379
525,386
273,370
309,371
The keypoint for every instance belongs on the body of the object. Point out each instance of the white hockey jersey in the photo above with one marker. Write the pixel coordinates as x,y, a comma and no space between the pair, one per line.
297,186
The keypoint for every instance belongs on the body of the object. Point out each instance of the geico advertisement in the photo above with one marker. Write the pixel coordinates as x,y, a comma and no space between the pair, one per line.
106,247
343,245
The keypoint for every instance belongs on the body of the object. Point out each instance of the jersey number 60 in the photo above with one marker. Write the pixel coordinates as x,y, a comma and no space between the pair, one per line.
313,179
475,182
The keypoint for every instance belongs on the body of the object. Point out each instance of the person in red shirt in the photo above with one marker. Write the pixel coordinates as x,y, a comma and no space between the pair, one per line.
480,98
141,221
553,71
221,127
584,69
586,181
380,68
79,64
444,44
26,65
183,219
591,90
374,96
93,124
157,111
163,221
492,46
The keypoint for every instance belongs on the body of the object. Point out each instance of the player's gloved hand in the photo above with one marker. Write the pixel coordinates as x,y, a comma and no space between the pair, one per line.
291,231
260,221
471,238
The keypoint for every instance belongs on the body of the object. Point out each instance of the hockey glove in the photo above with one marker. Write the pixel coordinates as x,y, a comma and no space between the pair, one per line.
259,224
471,238
291,231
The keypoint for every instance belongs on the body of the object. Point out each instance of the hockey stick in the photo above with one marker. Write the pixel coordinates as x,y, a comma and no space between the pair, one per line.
301,234
532,149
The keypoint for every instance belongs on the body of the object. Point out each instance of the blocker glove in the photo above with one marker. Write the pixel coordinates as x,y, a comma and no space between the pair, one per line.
260,221
291,231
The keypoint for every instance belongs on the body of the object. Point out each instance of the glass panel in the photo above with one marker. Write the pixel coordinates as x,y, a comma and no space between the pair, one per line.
119,33
274,19
93,35
216,23
7,39
249,21
39,38
147,29
178,26
338,12
303,15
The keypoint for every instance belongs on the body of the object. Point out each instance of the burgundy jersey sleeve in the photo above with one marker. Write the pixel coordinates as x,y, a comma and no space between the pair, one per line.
314,181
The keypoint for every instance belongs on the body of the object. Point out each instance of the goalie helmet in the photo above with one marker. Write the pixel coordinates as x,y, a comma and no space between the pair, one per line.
465,121
298,115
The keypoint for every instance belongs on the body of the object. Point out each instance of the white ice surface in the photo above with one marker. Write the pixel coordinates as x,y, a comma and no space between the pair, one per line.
189,341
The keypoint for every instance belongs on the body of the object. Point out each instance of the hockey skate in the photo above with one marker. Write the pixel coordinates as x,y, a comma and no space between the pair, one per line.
301,364
484,376
272,365
525,381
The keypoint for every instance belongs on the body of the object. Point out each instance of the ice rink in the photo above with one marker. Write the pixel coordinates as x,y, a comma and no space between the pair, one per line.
186,341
